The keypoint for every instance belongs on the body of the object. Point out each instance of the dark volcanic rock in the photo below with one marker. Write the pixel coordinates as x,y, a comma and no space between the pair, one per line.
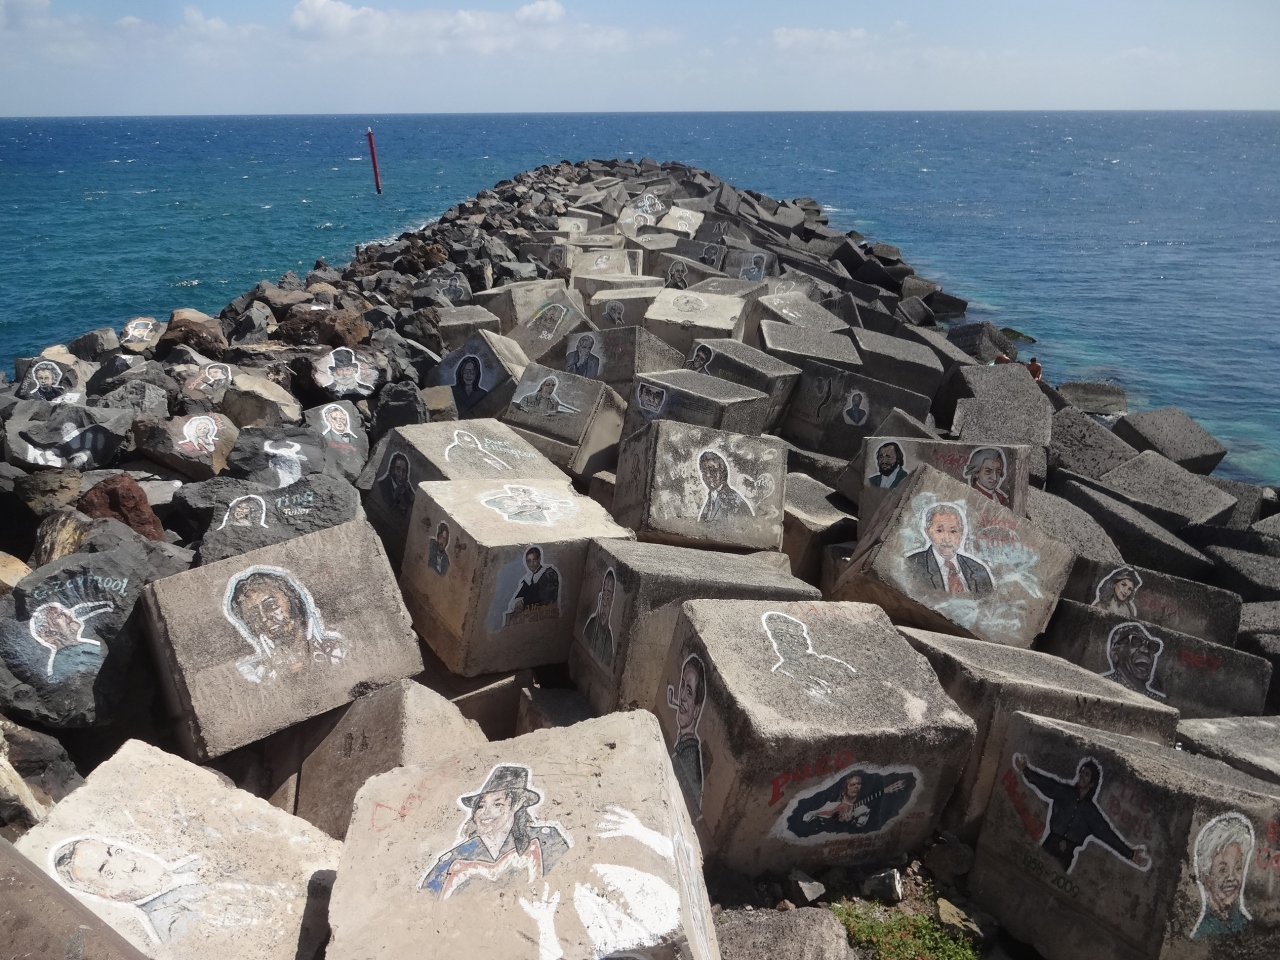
40,434
276,457
338,426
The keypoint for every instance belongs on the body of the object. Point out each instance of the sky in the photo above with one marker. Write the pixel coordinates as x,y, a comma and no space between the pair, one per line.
134,57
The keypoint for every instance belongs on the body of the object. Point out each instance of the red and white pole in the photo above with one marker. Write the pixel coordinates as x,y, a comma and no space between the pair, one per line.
373,153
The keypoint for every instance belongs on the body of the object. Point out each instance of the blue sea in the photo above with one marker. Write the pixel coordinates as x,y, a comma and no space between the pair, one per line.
1142,248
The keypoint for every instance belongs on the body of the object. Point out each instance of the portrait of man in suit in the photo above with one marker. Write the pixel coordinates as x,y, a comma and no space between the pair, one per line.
943,566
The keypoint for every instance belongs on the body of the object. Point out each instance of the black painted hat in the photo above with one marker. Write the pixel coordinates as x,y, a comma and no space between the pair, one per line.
507,780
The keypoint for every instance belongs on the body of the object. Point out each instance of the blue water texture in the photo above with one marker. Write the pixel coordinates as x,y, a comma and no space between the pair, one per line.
1141,248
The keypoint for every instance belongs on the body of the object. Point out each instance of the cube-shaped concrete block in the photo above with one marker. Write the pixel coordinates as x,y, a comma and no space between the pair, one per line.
623,307
942,556
404,723
678,273
1250,744
514,302
542,708
798,310
184,865
1199,678
589,285
575,421
1169,431
729,359
631,596
456,324
899,361
998,472
569,842
491,572
1153,478
614,261
678,317
694,397
834,410
258,642
1103,846
806,734
991,682
46,920
815,516
695,486
1137,593
560,316
613,355
492,700
483,373
798,345
473,450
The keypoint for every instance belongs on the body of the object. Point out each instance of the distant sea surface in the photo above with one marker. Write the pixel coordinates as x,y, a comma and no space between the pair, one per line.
1138,248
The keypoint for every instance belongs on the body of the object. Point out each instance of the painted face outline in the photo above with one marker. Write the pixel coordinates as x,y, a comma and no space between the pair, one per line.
1221,855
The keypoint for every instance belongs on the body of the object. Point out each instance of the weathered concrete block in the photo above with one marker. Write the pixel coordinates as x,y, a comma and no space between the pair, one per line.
614,261
491,572
1001,422
560,316
589,285
483,373
575,421
1140,539
690,396
630,600
1155,479
815,516
943,557
1103,846
678,273
991,682
253,644
492,700
1246,743
1084,446
678,317
899,361
695,486
799,345
1198,677
981,340
182,864
999,473
1255,576
623,307
402,724
543,708
1099,398
1137,593
729,359
835,410
1169,431
806,734
573,839
514,302
795,309
44,920
456,324
615,356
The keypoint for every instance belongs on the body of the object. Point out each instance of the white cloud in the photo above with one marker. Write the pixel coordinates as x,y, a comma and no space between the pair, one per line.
826,41
542,11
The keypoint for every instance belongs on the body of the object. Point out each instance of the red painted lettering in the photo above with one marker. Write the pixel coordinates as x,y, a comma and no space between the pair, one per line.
1035,826
780,781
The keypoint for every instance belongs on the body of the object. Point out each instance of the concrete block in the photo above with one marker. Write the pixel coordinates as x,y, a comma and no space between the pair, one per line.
815,516
1084,446
899,361
835,410
678,317
1105,399
456,324
848,479
998,473
252,644
1246,743
991,682
491,572
572,842
514,302
1137,593
1169,431
622,307
472,450
678,273
1103,846
483,374
614,261
183,865
561,315
943,557
1197,677
590,285
1256,577
750,264
629,603
695,486
795,345
575,421
1248,508
797,310
1155,479
1140,540
693,397
613,355
738,363
544,708
806,734
402,724
492,700
46,921
1008,385
980,340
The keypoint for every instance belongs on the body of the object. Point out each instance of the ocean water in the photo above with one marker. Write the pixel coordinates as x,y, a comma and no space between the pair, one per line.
1142,248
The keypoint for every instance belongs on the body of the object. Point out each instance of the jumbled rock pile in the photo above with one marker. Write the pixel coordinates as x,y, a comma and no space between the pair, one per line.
471,597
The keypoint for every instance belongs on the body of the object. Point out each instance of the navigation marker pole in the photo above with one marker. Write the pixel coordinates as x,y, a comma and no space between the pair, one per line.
373,153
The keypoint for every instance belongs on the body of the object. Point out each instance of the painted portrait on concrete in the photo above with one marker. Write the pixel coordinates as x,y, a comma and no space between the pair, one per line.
688,701
890,467
598,633
986,472
944,565
722,502
1133,655
1223,851
860,800
584,357
278,618
467,448
1117,592
538,595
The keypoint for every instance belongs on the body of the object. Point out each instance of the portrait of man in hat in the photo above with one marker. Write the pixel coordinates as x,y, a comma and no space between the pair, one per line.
346,373
138,330
499,838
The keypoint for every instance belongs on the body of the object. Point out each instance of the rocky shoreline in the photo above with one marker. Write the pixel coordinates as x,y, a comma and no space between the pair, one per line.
616,559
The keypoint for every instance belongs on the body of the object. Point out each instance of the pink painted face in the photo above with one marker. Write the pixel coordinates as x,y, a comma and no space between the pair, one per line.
495,816
946,534
989,474
1225,879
